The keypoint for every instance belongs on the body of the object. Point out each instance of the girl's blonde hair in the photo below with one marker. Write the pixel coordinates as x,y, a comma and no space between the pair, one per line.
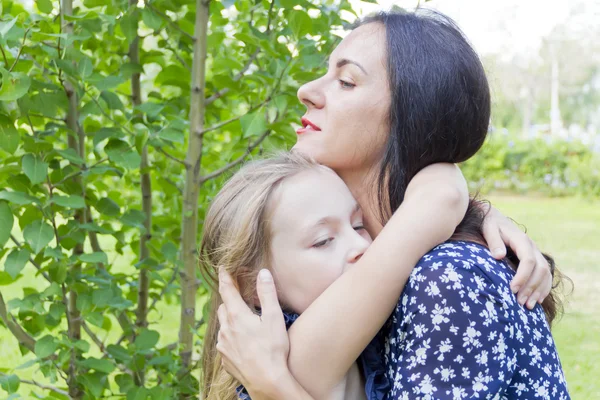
237,238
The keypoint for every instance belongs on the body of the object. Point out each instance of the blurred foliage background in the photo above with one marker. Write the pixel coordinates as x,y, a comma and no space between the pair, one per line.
119,120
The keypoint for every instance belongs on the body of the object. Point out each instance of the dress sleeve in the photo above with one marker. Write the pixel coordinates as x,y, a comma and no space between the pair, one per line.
451,334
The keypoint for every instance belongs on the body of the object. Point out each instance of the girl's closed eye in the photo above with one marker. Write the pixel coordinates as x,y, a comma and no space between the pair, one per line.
359,227
322,243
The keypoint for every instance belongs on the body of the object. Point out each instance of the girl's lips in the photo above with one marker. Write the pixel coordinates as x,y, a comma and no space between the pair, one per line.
307,126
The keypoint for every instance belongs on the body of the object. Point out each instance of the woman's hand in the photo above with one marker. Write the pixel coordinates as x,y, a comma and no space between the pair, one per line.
255,348
533,280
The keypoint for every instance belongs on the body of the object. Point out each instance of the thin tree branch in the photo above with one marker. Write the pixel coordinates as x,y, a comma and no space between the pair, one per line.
220,125
4,55
94,242
270,14
44,116
169,20
94,337
20,50
74,174
18,332
161,150
42,386
237,161
107,115
164,290
39,268
174,184
177,56
220,93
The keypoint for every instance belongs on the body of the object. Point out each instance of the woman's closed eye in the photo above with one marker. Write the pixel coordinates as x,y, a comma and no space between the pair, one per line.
346,85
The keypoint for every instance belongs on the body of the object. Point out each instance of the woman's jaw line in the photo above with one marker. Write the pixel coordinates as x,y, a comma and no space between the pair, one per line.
362,185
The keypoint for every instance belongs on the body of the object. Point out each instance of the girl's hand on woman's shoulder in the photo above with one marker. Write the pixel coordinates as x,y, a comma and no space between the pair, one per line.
533,280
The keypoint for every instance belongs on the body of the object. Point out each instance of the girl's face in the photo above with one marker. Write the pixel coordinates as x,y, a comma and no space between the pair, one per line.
346,123
317,234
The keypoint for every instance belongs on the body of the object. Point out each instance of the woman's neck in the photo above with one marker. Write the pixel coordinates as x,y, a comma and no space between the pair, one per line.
363,186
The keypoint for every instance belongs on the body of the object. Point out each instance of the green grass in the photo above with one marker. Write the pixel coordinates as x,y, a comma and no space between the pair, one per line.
568,228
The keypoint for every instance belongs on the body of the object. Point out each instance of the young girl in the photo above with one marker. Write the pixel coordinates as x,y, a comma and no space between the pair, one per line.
299,220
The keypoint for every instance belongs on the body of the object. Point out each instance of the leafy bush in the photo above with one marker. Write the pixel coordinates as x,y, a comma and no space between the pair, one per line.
553,167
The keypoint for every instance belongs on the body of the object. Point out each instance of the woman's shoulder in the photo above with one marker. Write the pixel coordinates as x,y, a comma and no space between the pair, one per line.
453,259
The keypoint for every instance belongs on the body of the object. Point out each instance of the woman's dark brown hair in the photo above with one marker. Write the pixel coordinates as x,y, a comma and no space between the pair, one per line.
440,109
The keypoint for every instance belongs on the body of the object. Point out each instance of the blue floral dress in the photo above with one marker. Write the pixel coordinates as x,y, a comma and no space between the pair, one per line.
458,332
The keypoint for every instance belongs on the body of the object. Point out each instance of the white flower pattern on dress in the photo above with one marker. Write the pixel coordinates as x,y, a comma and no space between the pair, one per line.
459,333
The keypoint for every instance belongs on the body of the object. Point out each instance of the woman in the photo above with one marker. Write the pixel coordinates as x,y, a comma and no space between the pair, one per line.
403,91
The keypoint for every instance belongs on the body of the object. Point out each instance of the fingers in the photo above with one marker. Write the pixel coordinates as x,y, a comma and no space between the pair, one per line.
493,236
230,295
540,281
267,294
525,252
222,315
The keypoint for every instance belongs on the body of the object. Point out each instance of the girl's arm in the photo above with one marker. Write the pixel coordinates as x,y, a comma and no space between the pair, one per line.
330,335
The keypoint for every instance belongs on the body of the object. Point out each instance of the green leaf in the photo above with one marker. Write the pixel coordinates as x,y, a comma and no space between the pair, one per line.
10,383
96,257
9,135
151,20
150,109
112,100
254,123
104,133
146,339
171,135
82,345
120,153
44,6
105,366
118,352
45,346
300,23
124,381
35,169
134,218
72,201
85,68
16,261
53,290
71,155
7,26
14,85
38,234
129,25
6,222
108,207
19,198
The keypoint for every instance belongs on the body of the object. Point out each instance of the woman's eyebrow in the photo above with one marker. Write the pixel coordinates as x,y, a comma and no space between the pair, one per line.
345,61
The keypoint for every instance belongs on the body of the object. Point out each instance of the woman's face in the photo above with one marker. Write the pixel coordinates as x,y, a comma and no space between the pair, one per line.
346,123
317,233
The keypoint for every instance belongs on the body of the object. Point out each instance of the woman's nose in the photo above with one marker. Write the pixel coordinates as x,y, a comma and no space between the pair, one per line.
311,95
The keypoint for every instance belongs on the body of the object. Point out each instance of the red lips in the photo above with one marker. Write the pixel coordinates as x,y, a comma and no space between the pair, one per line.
307,126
